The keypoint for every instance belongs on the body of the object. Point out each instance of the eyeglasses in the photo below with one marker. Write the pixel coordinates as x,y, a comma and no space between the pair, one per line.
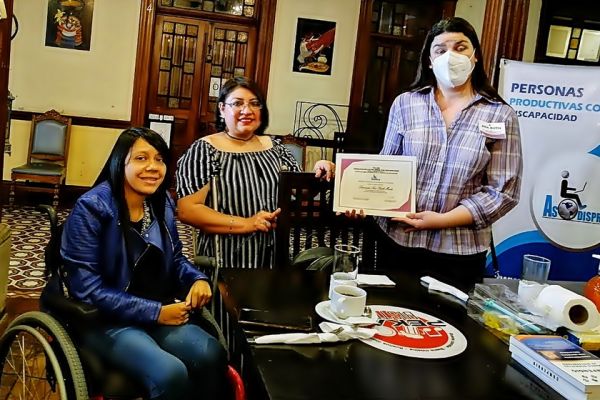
239,105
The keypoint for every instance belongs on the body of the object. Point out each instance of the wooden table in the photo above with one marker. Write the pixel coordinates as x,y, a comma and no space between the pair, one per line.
354,370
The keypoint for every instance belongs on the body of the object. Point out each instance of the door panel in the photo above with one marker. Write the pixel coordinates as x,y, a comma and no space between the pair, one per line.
191,59
176,74
231,53
390,36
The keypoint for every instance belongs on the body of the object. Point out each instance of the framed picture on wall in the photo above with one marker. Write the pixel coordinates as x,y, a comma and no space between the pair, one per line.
69,24
313,49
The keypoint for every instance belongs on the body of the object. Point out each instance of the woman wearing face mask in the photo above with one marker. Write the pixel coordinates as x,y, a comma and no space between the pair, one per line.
467,144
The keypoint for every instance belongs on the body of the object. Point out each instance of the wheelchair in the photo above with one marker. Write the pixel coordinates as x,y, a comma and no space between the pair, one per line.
42,355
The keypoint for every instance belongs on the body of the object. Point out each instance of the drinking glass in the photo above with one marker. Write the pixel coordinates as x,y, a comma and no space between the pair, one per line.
535,268
346,258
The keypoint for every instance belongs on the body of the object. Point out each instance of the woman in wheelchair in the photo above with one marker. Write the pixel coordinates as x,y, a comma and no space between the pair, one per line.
122,254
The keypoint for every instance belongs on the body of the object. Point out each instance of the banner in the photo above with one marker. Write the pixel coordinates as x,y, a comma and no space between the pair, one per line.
558,216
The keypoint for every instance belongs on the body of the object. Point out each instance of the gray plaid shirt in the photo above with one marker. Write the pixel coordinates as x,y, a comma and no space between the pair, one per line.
456,166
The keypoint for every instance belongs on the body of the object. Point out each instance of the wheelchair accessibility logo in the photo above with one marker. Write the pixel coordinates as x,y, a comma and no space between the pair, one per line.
570,206
415,334
565,202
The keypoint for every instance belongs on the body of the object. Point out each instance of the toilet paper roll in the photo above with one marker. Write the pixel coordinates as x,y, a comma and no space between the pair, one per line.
568,309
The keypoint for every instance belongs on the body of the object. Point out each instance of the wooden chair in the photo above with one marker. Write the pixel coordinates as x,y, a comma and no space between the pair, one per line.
47,156
307,220
297,147
338,143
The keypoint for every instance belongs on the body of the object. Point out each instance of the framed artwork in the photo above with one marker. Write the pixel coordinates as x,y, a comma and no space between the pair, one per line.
69,24
313,49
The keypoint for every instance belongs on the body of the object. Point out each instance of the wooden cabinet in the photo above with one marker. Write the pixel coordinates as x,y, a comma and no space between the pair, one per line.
390,36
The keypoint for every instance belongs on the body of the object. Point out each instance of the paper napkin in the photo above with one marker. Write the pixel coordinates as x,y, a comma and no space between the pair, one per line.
434,284
331,333
374,280
297,338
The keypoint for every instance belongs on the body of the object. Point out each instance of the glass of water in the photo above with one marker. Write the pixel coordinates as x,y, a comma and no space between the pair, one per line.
346,258
535,268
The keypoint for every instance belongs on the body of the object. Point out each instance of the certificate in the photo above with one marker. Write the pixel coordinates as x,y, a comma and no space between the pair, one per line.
379,185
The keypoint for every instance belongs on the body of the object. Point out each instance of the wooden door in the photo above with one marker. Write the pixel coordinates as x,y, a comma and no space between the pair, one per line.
175,79
390,36
191,59
231,52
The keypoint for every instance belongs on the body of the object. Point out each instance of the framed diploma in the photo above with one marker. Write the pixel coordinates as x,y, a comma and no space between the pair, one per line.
379,185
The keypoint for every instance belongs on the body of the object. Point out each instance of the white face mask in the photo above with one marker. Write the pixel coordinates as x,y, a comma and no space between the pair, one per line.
452,69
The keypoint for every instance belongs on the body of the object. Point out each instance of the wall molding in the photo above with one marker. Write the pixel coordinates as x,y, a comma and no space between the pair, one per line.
75,120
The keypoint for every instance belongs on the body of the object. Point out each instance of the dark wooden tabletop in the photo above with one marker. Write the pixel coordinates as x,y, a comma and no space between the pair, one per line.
354,370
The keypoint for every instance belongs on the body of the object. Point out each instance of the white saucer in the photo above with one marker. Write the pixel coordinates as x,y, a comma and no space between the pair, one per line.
325,312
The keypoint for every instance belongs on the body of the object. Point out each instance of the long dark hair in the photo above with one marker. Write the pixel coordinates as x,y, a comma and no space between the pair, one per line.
243,82
479,79
114,171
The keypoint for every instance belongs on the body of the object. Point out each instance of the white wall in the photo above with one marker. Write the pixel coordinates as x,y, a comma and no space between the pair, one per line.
285,86
96,83
473,11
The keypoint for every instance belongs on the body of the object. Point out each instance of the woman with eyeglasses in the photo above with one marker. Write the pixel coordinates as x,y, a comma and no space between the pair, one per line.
246,163
123,255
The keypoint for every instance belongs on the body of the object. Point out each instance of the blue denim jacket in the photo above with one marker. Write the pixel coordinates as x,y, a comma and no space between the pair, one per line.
97,265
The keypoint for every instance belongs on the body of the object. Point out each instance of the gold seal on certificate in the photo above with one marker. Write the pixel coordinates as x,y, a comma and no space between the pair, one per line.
378,184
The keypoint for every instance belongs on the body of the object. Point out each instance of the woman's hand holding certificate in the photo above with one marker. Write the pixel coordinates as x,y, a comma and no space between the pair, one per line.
458,216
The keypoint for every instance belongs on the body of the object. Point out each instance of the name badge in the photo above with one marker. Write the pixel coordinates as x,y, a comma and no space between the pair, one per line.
493,130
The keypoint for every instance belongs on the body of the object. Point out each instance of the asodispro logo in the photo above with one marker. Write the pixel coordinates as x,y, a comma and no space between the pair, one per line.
566,200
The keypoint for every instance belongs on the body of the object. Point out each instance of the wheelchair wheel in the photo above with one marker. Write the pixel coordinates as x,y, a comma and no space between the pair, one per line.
30,369
58,338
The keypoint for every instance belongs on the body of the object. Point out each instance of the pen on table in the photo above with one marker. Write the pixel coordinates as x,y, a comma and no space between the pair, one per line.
526,324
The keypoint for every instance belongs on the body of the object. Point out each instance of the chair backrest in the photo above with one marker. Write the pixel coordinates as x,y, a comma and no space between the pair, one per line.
52,258
307,219
297,147
49,137
338,143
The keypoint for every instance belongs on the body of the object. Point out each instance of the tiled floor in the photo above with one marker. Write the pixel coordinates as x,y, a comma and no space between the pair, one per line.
30,232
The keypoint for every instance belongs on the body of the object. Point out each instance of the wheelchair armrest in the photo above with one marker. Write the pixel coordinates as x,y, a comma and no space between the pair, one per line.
70,309
205,262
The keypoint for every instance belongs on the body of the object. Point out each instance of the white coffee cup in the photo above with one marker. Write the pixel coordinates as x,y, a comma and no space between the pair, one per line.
348,301
340,278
